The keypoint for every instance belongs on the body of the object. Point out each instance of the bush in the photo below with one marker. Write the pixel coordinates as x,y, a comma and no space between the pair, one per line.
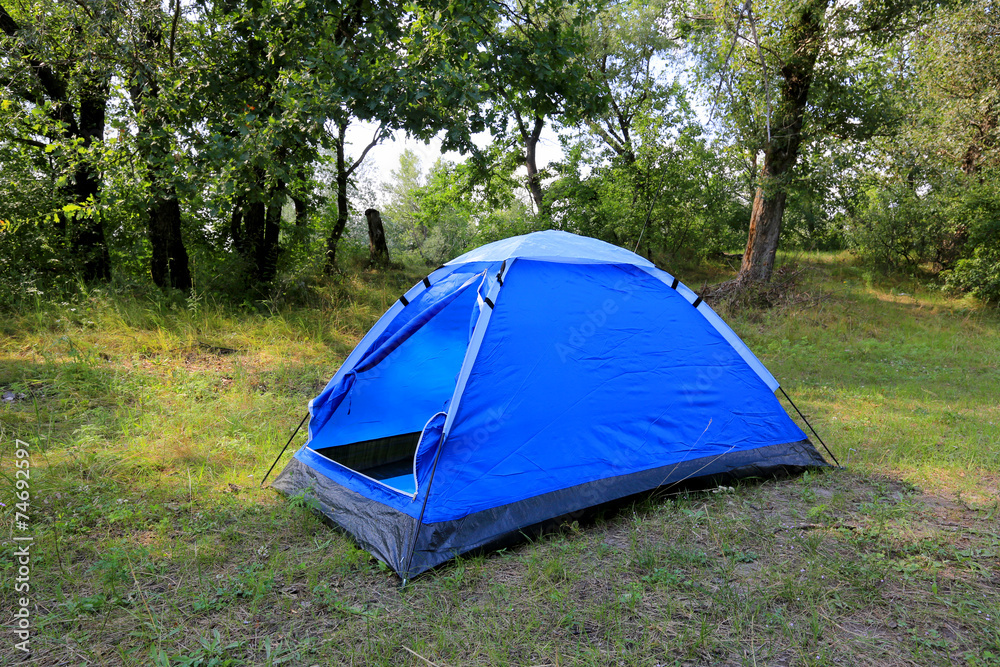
979,275
892,228
30,266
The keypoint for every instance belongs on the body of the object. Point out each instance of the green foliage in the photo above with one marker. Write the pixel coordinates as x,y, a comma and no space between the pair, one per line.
947,223
893,228
935,202
442,214
897,144
212,651
978,275
678,184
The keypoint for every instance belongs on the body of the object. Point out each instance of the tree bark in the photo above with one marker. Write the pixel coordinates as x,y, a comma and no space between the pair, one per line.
87,234
270,250
255,227
300,232
236,226
254,217
301,213
169,265
805,39
378,250
530,140
343,206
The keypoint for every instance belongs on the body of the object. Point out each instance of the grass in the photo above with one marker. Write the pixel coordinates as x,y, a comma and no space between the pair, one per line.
155,546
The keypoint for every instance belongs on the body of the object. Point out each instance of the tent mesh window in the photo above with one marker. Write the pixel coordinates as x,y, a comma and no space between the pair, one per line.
381,458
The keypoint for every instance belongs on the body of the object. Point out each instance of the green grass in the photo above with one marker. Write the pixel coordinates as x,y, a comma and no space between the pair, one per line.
155,546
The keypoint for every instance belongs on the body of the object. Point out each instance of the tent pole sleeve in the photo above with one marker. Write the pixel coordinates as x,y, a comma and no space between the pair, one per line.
810,426
294,433
423,506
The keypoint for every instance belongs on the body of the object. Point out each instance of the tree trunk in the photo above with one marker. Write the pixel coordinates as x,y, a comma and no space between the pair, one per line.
268,258
255,227
983,139
169,264
530,141
300,232
236,226
762,242
86,232
301,213
343,206
783,149
254,217
378,250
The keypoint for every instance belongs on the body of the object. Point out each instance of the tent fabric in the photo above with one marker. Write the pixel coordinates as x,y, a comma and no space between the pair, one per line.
545,374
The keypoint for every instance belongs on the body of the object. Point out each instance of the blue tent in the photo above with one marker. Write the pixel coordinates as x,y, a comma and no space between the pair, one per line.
528,379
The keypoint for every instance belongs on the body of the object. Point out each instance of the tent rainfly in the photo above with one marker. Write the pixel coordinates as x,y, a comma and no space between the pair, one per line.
532,378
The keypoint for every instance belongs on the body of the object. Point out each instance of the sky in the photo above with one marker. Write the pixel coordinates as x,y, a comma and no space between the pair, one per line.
384,158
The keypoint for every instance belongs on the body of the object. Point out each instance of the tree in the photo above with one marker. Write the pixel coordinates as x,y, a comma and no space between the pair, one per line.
933,200
169,265
345,169
804,70
641,156
56,102
628,56
402,208
420,76
535,75
378,251
958,85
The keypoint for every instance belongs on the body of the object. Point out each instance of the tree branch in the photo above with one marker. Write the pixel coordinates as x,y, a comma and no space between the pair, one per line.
7,23
30,142
173,29
374,142
608,139
725,64
763,65
520,125
53,85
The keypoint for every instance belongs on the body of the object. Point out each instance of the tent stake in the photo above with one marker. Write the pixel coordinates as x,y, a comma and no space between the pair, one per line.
809,425
294,433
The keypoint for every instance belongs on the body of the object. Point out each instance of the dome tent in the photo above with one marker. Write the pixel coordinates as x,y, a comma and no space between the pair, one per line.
525,380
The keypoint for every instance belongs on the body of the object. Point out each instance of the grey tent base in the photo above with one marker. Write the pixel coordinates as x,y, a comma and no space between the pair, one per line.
388,533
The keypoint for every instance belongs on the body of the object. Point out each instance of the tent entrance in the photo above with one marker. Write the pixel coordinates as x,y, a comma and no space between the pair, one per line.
388,460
